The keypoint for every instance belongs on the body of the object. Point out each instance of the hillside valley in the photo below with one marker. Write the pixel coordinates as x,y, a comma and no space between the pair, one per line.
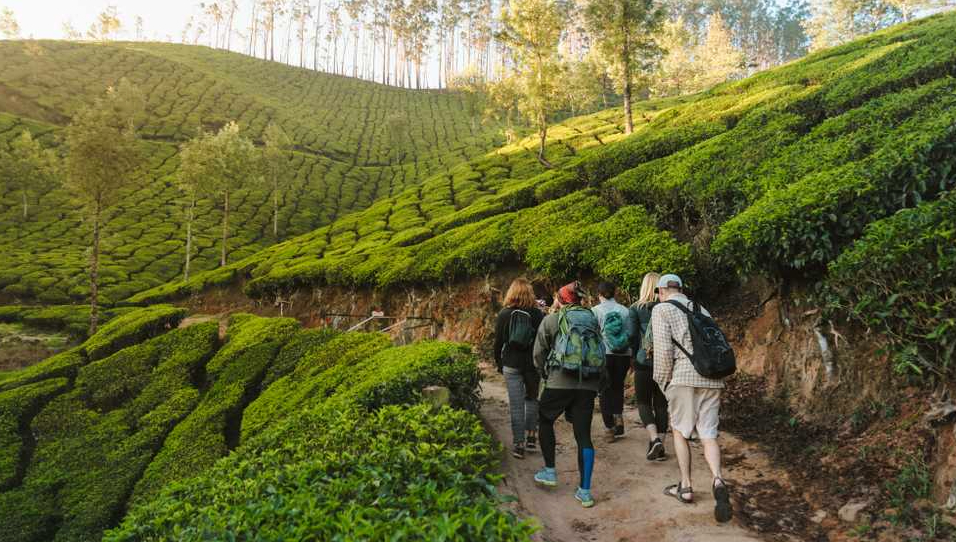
336,383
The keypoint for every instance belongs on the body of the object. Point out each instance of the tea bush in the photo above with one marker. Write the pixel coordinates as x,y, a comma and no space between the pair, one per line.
343,160
327,473
94,439
775,174
900,279
17,407
130,328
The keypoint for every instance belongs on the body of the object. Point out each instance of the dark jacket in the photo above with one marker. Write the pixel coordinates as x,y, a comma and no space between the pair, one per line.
511,357
641,317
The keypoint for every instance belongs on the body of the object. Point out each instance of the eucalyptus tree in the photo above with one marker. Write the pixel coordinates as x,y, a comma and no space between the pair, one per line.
235,162
9,26
276,155
28,168
626,29
532,29
103,157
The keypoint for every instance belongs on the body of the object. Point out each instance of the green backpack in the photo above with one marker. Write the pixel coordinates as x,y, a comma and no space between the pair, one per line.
579,347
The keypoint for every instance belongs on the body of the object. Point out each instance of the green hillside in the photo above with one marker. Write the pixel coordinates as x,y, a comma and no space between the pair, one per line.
776,174
101,429
355,142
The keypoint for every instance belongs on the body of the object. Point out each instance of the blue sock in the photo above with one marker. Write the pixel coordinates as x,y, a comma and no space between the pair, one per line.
587,455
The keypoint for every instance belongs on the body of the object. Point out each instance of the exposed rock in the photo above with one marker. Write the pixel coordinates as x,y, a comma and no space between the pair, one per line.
850,512
819,516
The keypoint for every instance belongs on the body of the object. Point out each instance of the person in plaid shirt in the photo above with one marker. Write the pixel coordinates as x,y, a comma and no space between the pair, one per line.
694,400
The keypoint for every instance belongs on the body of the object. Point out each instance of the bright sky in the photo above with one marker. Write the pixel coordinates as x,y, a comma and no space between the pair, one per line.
45,18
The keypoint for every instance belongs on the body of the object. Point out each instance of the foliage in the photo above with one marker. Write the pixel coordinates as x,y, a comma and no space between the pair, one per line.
73,319
94,439
900,278
167,409
401,472
342,158
626,42
28,169
531,29
130,328
17,407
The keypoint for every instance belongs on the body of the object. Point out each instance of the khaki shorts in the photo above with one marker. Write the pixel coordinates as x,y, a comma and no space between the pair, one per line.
692,408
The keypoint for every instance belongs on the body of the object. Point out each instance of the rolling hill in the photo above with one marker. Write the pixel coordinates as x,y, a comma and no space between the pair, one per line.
775,175
355,142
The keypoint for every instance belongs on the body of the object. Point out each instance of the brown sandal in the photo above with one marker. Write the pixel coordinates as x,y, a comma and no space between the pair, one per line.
678,492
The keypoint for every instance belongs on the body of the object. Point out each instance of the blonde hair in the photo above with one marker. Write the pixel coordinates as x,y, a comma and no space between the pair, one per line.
520,294
648,289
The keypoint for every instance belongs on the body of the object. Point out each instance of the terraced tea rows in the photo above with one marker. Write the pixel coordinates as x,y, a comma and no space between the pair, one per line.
110,425
777,174
355,142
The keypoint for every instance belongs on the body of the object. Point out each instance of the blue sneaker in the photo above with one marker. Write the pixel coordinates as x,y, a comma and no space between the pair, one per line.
547,477
584,495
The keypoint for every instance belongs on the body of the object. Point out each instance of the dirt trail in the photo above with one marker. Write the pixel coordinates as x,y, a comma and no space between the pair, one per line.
628,488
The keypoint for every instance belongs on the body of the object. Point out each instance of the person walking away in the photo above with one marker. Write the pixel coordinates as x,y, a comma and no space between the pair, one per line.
683,349
515,331
651,403
569,353
616,329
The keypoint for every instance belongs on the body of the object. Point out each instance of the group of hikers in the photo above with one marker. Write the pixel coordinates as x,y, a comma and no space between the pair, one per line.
556,360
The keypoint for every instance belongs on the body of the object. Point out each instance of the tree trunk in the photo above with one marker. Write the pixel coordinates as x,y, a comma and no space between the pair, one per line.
189,238
275,209
225,229
628,117
24,193
272,39
543,136
95,272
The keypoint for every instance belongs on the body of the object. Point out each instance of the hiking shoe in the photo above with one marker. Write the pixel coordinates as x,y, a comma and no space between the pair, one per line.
531,443
547,477
584,495
723,511
619,431
655,451
517,451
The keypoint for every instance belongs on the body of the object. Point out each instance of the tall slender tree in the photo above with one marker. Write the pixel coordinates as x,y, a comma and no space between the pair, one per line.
235,164
198,162
28,168
532,29
103,156
276,156
626,29
106,25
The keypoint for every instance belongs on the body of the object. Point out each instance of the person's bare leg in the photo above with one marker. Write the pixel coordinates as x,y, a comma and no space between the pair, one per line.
712,455
682,449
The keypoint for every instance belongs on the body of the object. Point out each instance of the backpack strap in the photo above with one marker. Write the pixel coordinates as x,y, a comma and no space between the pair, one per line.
686,311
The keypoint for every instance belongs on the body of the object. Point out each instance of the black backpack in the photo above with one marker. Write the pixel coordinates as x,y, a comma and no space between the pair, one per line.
521,331
713,357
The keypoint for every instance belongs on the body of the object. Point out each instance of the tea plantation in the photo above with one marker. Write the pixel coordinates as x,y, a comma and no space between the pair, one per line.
777,175
323,433
354,142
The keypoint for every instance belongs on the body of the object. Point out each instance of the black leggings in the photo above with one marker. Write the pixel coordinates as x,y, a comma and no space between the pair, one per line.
651,403
612,398
580,405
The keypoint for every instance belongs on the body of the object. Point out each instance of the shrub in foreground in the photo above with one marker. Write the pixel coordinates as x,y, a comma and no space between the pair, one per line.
401,473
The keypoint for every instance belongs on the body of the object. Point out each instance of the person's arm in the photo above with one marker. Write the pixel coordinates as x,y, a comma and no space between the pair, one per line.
499,339
663,345
542,344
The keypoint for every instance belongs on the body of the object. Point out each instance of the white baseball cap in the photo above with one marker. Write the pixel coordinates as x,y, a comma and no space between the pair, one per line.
670,281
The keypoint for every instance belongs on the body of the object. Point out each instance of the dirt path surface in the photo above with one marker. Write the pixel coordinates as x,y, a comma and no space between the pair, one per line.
628,489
